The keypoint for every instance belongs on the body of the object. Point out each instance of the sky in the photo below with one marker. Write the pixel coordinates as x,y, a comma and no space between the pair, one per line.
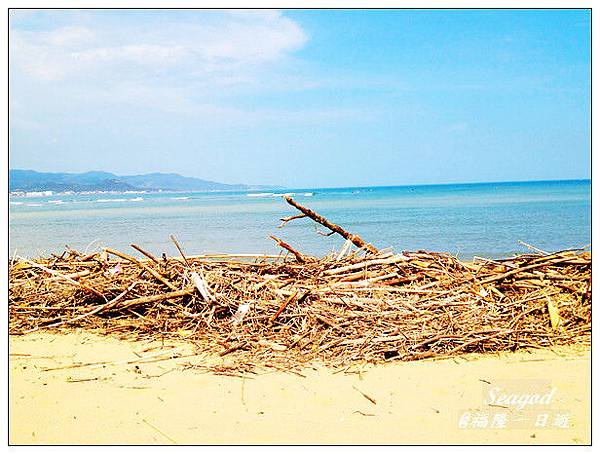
303,98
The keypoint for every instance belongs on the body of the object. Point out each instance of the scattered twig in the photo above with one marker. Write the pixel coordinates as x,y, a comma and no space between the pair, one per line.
159,431
366,396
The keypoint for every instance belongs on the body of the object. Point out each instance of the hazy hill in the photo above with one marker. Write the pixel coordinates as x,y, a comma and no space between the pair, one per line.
30,180
175,181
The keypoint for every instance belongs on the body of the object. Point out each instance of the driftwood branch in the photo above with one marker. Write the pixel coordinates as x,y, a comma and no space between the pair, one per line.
323,233
284,221
282,307
300,258
356,240
179,248
146,253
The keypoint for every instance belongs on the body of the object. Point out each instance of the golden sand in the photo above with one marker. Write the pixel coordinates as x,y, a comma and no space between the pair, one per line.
133,398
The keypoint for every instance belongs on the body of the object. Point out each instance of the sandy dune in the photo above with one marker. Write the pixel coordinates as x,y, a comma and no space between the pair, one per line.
133,398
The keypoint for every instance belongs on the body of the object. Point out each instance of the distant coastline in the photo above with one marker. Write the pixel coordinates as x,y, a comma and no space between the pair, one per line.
42,191
31,183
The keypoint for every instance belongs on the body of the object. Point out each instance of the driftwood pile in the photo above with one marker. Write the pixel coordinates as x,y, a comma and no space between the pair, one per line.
285,311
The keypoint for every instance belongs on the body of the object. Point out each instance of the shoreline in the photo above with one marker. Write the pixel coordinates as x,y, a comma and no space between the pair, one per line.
361,347
22,193
134,397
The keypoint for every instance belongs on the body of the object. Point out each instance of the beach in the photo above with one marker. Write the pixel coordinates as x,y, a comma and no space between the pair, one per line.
139,396
360,347
338,226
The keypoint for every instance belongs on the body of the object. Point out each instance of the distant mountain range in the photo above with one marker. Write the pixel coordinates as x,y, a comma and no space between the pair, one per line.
30,181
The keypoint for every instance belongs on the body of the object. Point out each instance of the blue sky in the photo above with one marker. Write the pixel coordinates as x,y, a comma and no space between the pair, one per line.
303,98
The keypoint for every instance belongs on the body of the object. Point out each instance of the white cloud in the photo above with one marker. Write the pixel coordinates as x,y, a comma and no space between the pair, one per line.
203,43
66,36
142,54
190,66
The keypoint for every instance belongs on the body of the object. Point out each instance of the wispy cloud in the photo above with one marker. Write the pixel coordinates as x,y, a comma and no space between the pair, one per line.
185,65
205,43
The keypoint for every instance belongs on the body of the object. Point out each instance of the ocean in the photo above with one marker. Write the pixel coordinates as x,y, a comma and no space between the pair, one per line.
466,220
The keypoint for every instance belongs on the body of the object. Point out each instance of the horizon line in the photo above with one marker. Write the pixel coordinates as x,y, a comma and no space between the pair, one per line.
330,187
553,180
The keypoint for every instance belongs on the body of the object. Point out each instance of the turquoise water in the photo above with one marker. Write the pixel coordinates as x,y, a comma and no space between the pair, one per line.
465,220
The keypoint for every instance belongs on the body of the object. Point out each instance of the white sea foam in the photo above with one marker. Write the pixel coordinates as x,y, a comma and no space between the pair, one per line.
308,194
34,204
260,194
286,194
137,199
56,202
180,198
16,203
